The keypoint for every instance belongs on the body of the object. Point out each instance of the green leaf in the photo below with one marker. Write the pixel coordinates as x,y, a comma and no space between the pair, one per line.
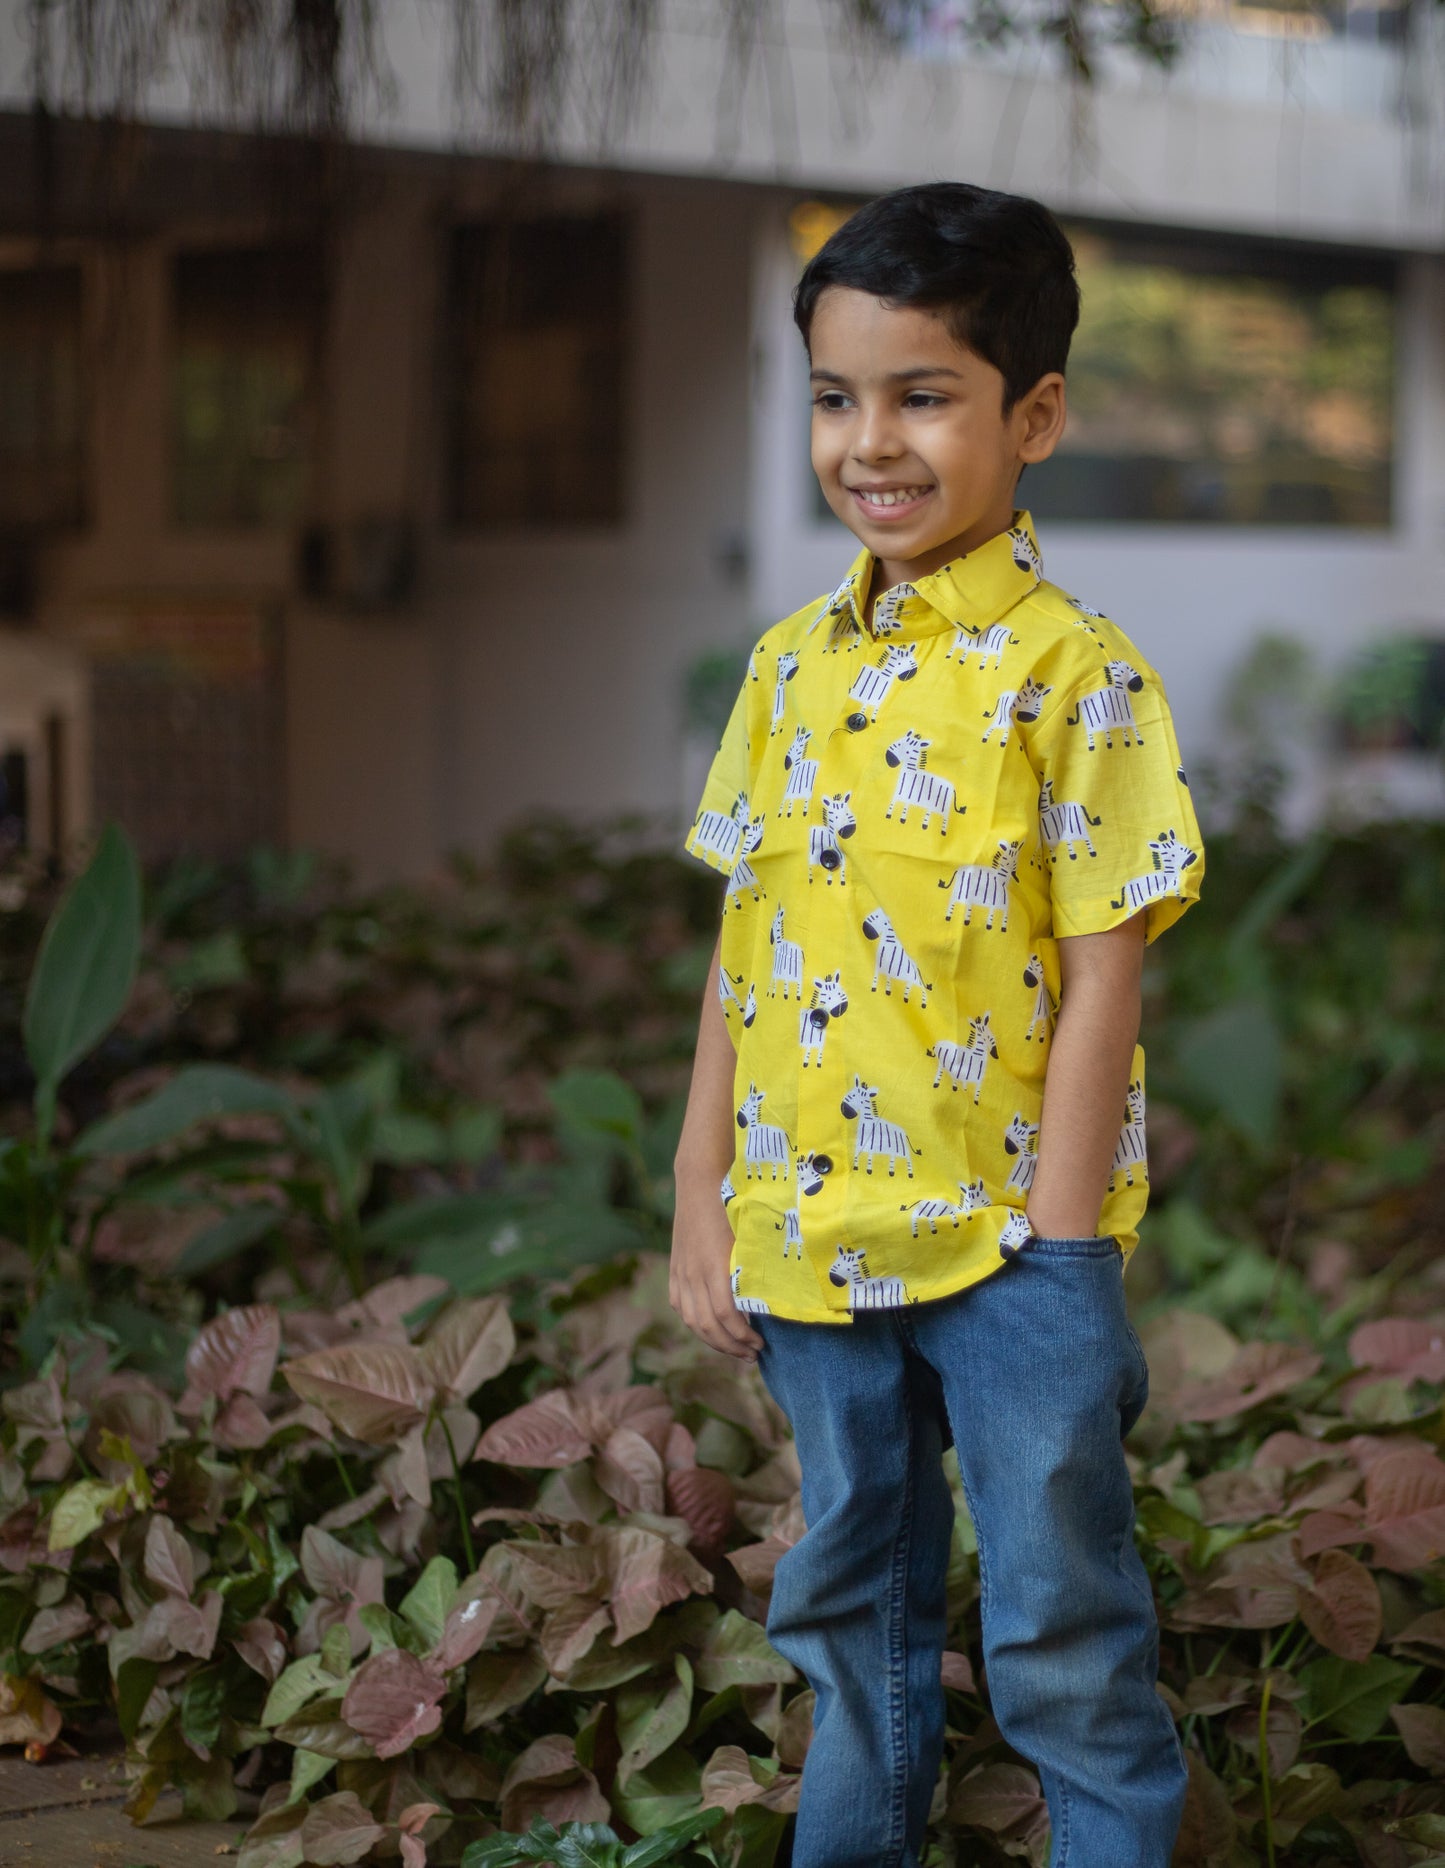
82,1510
492,1852
540,1239
588,1845
662,1844
599,1101
202,1704
1232,1060
85,967
405,1139
296,1687
133,1687
307,1770
667,1792
1355,1697
738,1653
651,1717
200,1093
241,1227
426,1603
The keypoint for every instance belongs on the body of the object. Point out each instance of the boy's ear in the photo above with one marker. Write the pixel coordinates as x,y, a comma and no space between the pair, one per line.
1040,415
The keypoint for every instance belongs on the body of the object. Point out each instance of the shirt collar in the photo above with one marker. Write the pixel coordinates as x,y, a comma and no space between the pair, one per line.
972,590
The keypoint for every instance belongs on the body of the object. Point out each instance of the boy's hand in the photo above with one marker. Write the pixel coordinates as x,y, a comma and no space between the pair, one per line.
698,1286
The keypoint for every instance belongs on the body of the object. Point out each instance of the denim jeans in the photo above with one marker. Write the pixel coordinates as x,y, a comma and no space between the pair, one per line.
1039,1375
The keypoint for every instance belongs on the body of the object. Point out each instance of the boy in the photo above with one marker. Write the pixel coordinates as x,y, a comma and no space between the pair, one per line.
950,807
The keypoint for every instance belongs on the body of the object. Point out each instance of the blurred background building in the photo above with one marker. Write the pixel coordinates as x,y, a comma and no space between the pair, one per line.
368,489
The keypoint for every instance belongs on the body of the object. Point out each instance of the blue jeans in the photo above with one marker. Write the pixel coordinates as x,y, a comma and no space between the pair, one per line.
1039,1374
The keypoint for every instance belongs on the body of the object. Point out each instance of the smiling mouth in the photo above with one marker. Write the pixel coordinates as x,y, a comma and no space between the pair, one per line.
889,499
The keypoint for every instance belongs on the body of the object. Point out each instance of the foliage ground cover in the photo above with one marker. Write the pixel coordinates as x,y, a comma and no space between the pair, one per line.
352,1466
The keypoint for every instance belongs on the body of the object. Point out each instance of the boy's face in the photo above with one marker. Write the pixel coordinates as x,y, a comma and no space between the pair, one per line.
910,442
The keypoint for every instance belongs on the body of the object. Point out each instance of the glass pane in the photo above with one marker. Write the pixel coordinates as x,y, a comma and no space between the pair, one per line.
41,398
241,388
538,349
1202,391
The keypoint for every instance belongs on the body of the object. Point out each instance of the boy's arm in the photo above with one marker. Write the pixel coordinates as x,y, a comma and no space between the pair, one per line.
702,1240
1087,1078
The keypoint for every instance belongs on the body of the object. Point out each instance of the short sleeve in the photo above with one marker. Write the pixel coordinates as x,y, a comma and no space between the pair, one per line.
722,813
1116,819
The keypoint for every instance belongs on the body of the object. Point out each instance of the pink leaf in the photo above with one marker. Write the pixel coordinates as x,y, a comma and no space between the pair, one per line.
262,1646
645,1573
705,1499
234,1354
1257,1373
1423,1730
381,1310
629,1469
1405,1510
957,1673
54,1627
415,1817
546,1780
1342,1607
345,1583
393,1701
1321,1530
413,1852
569,1631
169,1560
546,1432
242,1425
470,1342
338,1829
1003,1799
551,1575
1403,1346
373,1391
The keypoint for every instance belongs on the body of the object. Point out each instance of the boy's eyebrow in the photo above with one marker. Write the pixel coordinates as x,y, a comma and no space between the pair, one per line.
894,376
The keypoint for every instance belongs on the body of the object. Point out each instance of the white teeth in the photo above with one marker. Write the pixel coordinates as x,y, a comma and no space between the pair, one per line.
900,498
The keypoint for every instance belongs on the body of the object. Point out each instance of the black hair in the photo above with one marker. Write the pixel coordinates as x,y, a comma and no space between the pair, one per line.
998,269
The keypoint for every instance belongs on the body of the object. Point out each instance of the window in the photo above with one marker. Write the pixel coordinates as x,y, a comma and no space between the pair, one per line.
1244,386
247,327
537,393
42,467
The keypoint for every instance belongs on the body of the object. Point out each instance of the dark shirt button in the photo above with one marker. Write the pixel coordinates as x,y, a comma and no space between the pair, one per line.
856,722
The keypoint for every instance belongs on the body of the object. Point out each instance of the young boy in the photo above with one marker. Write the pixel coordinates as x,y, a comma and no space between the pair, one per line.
951,810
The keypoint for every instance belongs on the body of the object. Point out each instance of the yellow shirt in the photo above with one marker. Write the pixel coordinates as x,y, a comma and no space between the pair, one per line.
909,816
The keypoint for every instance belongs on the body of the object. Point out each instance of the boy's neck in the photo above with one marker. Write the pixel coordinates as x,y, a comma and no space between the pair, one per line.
890,571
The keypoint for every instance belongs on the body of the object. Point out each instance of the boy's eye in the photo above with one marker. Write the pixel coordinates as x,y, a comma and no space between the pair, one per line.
829,399
920,399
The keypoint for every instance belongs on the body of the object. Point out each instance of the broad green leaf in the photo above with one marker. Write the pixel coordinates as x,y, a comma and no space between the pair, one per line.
85,967
134,1683
588,1845
199,1093
651,1717
598,1100
241,1227
426,1603
738,1653
302,1681
1232,1059
82,1510
307,1770
1355,1697
202,1704
662,1844
668,1791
